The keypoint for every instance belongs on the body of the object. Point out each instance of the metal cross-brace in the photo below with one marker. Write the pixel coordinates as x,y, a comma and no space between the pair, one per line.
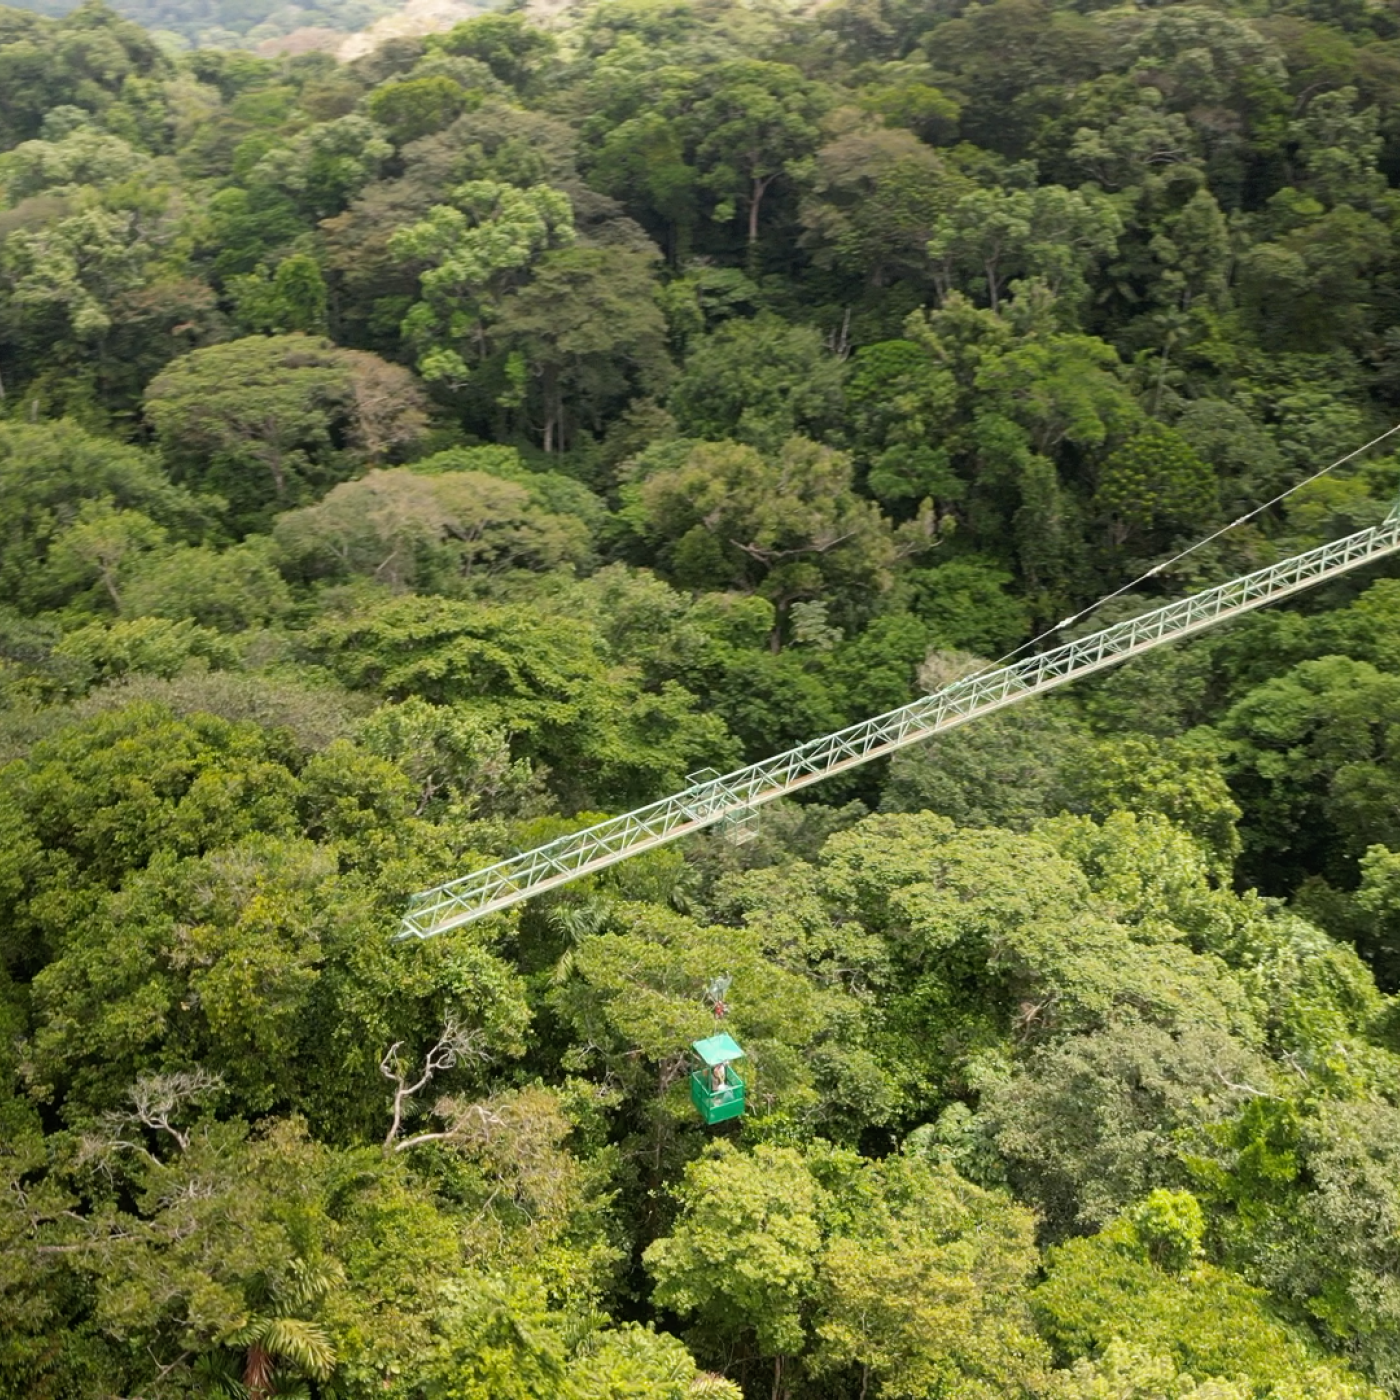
733,797
708,794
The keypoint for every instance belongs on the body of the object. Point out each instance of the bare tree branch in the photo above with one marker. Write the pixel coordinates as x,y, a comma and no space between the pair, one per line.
456,1042
821,545
1242,1088
464,1124
156,1097
156,1100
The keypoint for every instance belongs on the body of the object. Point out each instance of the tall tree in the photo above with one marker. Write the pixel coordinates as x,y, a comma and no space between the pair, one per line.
467,254
268,421
589,331
753,122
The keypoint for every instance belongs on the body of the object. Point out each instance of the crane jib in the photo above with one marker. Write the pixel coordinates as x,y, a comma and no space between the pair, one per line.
731,797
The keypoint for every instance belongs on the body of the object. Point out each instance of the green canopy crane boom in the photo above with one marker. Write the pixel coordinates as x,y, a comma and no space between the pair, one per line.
732,798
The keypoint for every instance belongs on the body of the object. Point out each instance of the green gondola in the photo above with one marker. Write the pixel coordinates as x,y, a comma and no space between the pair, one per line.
715,1088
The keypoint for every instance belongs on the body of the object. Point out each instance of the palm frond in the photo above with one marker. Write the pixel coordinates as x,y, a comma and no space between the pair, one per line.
303,1344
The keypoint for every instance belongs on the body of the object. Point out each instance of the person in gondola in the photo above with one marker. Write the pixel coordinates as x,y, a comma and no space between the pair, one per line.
716,1089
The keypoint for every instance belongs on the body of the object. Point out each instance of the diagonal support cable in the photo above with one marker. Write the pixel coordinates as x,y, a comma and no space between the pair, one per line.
733,796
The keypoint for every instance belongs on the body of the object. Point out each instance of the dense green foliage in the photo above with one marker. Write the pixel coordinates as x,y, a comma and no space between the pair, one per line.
402,462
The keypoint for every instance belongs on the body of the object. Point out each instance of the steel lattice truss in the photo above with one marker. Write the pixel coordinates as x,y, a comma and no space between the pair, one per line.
732,797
